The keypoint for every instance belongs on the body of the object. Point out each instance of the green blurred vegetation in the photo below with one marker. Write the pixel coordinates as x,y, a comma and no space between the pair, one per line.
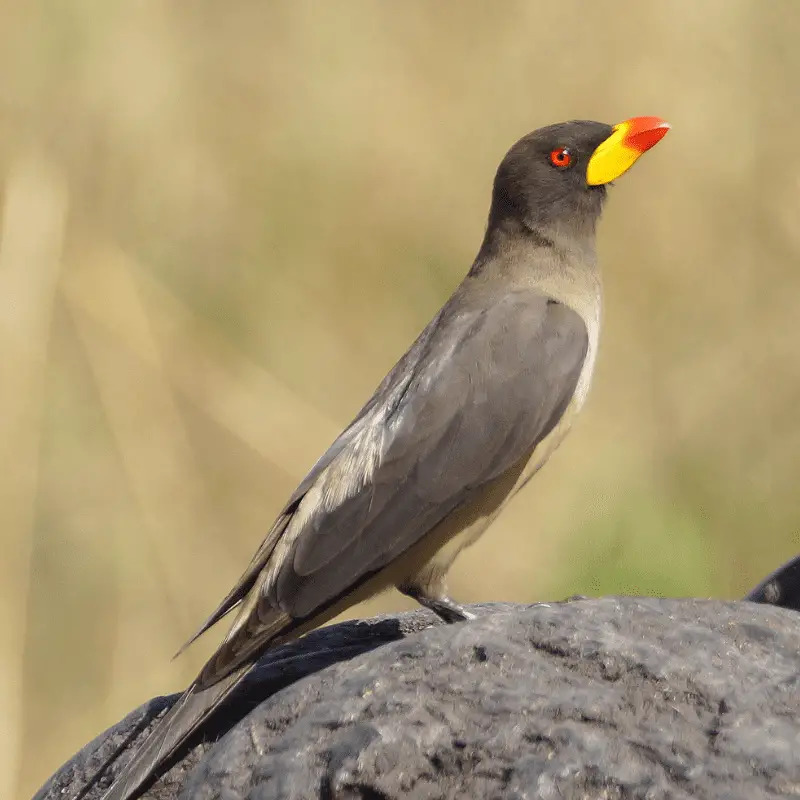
223,222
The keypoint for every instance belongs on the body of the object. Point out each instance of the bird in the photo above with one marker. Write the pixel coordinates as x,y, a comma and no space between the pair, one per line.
781,588
466,417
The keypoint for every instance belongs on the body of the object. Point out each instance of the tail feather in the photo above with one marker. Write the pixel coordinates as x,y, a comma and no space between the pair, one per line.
180,722
244,585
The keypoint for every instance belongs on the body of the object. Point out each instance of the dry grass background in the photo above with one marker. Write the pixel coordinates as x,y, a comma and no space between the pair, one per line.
222,222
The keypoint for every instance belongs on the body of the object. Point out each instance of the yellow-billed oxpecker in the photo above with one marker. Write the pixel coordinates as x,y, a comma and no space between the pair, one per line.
464,419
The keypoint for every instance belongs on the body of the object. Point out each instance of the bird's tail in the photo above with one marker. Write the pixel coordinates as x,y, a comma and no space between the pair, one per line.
169,734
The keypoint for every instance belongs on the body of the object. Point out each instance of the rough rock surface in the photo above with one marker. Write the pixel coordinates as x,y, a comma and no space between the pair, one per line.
609,698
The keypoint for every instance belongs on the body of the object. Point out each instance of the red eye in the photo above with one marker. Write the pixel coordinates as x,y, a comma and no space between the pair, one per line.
560,157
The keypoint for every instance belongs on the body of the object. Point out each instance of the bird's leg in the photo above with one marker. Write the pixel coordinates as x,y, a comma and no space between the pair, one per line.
443,606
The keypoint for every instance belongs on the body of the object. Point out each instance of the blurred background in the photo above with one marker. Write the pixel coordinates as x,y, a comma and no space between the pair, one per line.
222,223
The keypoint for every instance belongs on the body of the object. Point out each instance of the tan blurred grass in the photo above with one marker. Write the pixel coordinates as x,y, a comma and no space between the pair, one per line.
221,225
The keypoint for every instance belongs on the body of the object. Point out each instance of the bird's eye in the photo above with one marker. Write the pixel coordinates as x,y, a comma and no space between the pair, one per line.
560,157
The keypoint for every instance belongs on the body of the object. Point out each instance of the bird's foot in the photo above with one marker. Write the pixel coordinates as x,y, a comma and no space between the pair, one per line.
449,611
443,606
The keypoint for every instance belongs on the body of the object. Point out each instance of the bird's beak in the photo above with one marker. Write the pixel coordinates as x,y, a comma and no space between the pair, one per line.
619,152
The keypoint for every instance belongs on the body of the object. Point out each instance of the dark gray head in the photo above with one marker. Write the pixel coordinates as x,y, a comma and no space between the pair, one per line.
542,179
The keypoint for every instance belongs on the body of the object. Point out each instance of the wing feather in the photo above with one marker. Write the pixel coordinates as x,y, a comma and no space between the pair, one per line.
494,382
481,386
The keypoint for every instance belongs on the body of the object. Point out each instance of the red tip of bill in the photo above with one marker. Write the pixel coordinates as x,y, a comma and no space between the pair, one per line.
644,132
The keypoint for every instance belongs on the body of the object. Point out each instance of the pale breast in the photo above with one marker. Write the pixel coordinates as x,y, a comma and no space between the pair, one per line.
585,378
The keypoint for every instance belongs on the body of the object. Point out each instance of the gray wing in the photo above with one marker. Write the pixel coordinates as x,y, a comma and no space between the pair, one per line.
480,387
393,384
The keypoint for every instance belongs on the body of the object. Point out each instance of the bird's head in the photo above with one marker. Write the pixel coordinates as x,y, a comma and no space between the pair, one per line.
558,175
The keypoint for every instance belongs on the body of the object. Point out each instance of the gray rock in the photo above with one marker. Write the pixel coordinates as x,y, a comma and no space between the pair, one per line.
609,698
